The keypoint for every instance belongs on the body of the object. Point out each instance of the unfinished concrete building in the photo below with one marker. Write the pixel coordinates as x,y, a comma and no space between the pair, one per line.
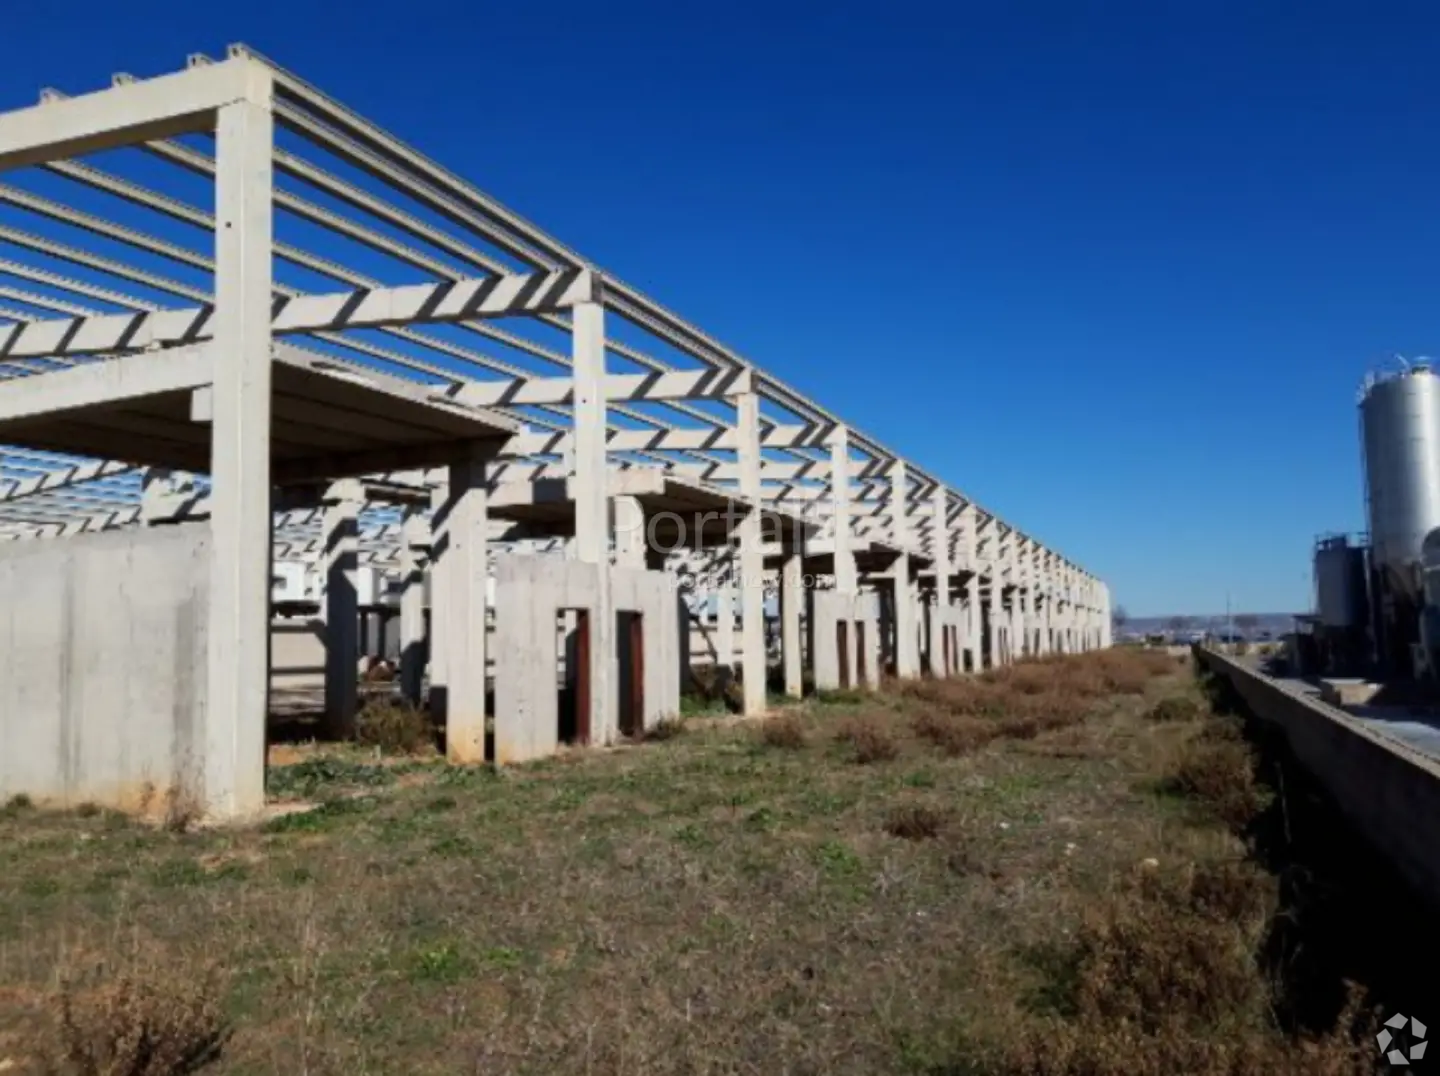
244,330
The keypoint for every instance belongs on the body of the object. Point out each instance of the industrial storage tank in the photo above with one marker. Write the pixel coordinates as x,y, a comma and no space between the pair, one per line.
1400,434
1340,599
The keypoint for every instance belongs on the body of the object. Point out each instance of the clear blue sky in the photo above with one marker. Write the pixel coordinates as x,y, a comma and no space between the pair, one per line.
1114,269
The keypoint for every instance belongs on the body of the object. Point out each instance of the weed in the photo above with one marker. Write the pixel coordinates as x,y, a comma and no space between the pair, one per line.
183,808
440,964
453,846
306,780
321,817
503,957
838,860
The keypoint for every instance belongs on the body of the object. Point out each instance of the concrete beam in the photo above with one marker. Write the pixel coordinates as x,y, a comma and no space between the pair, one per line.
127,377
555,442
371,308
619,388
161,107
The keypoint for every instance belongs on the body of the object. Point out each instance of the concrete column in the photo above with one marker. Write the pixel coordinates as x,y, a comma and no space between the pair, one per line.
629,532
592,516
847,580
238,640
993,603
440,598
1020,599
725,613
792,595
1047,607
907,657
342,610
414,552
1107,627
939,504
752,557
970,633
466,539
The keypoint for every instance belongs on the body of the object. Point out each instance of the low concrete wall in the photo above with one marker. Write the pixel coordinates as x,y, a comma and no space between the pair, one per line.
102,666
829,608
530,593
1387,790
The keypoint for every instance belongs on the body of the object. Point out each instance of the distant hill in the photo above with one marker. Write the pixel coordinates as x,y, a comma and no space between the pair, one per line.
1274,623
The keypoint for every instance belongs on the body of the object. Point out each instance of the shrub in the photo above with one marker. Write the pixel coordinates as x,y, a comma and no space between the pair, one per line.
1219,771
914,823
1019,728
869,741
156,1021
955,735
395,728
785,731
1053,710
16,804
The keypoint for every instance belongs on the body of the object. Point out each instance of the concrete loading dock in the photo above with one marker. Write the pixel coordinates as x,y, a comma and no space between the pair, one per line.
195,361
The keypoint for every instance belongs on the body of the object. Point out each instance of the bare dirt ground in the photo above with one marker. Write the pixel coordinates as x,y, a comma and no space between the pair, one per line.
1031,872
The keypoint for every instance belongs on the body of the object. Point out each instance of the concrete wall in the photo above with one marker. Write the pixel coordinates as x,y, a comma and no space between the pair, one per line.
530,592
102,666
827,609
1388,791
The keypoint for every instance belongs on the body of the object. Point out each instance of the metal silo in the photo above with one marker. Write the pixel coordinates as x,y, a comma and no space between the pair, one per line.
1400,434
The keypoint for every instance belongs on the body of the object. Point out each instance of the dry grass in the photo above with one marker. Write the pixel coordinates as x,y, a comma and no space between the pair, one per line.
785,731
395,728
1166,973
706,904
1176,949
1176,708
1123,1050
1166,978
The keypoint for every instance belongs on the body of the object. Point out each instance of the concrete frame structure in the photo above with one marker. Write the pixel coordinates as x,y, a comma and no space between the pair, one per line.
435,421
